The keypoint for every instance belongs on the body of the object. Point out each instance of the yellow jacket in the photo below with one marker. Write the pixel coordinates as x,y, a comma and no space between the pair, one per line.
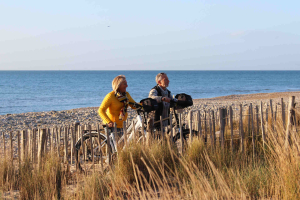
110,108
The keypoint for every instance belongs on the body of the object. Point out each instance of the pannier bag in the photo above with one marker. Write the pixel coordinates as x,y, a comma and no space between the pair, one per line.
149,104
184,100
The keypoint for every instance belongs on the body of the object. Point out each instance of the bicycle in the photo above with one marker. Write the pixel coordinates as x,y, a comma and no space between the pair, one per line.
96,148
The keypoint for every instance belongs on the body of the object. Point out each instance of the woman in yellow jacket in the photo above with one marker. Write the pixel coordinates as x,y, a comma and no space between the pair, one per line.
114,106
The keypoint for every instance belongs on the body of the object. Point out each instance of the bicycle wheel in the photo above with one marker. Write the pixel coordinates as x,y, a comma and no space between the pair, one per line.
91,149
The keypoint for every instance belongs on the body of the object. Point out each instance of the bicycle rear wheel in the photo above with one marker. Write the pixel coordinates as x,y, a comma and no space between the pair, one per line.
91,148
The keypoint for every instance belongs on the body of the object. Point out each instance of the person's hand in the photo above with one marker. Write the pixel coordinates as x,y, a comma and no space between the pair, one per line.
110,124
166,99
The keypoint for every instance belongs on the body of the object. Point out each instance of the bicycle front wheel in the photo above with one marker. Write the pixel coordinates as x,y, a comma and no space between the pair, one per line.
90,148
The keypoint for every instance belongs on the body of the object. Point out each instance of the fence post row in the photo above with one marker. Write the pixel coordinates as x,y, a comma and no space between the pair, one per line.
34,143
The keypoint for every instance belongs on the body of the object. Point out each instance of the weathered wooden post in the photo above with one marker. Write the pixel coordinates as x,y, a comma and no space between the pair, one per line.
51,144
249,121
125,133
275,114
41,146
143,128
148,137
171,128
291,122
272,115
283,113
66,132
241,128
34,146
205,127
181,133
213,128
211,131
4,147
161,128
58,140
47,136
257,121
231,127
267,119
108,147
72,144
23,144
99,147
199,124
191,125
133,129
19,148
222,128
11,146
91,142
252,127
262,123
29,148
77,133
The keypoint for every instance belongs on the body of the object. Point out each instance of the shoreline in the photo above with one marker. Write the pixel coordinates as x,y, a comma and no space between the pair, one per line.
85,115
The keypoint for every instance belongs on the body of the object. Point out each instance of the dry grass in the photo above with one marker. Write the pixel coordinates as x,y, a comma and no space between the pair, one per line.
160,172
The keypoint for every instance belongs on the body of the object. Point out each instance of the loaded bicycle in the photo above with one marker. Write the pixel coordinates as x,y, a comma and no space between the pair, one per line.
95,146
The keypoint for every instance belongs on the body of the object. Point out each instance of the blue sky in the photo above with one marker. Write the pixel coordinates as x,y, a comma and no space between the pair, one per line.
150,35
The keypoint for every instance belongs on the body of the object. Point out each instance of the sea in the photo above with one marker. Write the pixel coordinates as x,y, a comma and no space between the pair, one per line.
37,91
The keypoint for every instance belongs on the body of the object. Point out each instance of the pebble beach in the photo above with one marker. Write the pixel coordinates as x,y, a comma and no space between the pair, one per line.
89,115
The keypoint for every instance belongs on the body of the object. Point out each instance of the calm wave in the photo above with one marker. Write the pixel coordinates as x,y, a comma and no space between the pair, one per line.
35,91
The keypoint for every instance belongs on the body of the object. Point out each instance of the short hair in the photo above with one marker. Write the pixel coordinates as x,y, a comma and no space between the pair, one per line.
159,76
117,81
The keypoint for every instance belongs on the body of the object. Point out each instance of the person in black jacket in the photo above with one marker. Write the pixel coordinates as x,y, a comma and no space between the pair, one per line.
163,97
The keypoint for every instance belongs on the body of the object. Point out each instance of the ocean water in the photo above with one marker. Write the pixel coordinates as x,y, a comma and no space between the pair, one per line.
36,91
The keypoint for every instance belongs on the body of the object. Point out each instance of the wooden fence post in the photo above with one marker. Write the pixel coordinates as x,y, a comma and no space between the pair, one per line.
214,128
210,130
161,128
171,128
125,133
29,148
181,134
199,124
91,142
11,146
267,119
231,127
272,115
4,147
283,113
83,144
257,122
133,129
34,149
252,127
23,145
66,130
191,125
19,148
41,146
262,123
249,121
108,147
72,145
222,128
241,128
291,113
99,147
205,127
